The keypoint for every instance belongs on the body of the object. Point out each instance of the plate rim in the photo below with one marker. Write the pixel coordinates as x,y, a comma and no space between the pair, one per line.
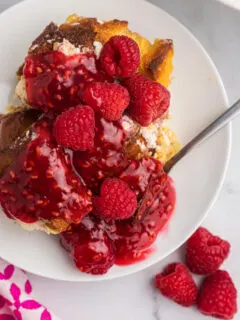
230,5
139,267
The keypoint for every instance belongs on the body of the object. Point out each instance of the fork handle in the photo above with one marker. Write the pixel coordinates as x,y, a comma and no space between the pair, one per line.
212,128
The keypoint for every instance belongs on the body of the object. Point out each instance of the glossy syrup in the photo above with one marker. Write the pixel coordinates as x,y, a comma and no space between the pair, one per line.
132,238
54,81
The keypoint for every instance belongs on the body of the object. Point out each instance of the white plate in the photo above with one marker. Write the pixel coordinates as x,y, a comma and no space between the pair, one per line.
198,96
232,3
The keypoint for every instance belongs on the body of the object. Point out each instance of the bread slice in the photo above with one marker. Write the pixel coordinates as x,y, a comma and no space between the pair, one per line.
79,34
14,136
89,33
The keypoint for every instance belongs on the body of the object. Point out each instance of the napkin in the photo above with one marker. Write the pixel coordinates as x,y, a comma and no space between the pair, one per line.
16,299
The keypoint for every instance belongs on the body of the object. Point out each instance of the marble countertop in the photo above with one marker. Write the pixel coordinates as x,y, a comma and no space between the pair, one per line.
133,297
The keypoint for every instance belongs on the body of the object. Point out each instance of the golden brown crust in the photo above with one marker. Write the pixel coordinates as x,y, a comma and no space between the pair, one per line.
20,71
85,22
157,62
103,31
44,42
133,149
166,142
156,58
78,34
12,139
13,124
109,29
57,226
158,55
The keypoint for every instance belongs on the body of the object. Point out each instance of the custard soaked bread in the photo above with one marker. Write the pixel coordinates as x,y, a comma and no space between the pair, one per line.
82,35
87,33
73,64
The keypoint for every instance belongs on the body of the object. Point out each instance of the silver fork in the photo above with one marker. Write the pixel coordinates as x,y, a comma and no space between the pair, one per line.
212,128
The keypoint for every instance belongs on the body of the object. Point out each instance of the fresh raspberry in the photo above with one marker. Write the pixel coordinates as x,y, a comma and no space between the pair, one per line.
109,99
205,252
218,296
149,99
90,246
134,237
42,184
116,201
120,57
176,283
74,128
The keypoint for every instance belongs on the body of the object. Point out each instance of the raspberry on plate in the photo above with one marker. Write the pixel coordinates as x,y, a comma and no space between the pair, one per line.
116,201
90,246
177,284
205,252
109,99
149,99
75,128
120,57
134,237
218,296
42,185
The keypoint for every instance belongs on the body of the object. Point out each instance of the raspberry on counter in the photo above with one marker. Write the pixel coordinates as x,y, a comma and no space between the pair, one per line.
218,296
205,252
177,284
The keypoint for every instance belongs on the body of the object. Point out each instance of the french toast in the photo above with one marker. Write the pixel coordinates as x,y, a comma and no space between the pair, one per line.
87,36
80,34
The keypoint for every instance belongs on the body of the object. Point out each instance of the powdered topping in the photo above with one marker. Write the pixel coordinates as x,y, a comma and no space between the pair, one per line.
98,48
66,47
150,135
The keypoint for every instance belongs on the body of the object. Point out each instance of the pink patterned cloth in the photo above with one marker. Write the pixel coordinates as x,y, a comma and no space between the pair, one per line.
16,301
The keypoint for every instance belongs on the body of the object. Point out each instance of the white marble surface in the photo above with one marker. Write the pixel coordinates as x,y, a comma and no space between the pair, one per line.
133,297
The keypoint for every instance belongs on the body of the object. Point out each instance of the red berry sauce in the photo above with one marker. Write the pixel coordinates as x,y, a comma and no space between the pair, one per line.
90,246
48,182
106,159
42,184
132,237
138,173
54,81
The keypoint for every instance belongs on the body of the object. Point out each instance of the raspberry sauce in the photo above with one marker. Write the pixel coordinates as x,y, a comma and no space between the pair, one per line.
42,183
90,246
54,81
49,182
132,237
106,159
